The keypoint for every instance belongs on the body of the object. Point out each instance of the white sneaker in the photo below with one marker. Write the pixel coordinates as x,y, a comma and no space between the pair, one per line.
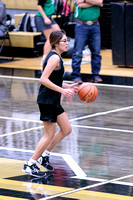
33,170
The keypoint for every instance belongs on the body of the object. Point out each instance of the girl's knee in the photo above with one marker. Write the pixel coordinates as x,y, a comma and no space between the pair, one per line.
68,131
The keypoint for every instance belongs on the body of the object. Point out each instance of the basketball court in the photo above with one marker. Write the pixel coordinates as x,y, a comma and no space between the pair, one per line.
95,162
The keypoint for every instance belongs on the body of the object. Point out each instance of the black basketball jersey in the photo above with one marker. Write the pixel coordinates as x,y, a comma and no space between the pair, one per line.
46,95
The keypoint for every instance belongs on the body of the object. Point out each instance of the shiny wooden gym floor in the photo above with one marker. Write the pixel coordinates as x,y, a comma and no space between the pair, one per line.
26,66
95,162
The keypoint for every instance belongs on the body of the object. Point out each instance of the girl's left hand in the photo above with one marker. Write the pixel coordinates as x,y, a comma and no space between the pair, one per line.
74,88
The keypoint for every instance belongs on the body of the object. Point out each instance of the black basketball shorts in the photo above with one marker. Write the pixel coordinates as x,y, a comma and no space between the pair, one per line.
49,113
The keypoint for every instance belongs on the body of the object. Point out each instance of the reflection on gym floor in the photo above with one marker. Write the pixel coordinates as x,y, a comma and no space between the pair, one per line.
94,162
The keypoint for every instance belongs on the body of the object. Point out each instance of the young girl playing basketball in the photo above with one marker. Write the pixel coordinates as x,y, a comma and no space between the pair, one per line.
51,111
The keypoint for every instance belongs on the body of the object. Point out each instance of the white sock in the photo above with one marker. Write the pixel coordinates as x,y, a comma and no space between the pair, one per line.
46,153
31,162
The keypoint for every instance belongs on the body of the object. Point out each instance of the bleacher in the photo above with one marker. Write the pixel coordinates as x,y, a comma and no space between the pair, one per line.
21,39
20,7
21,4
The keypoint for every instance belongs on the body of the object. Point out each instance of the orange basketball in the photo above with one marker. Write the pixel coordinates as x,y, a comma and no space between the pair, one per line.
87,92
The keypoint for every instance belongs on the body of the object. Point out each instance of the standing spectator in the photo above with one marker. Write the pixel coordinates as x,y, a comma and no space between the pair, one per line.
87,32
3,27
45,23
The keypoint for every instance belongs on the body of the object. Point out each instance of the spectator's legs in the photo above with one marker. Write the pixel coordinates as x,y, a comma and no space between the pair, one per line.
47,46
95,46
81,37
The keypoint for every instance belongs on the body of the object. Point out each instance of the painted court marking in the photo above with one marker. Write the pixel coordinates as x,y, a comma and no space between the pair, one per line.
103,180
104,129
22,131
37,79
20,119
102,113
79,173
68,159
87,187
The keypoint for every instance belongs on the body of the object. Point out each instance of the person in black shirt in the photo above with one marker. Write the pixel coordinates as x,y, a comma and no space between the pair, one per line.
51,111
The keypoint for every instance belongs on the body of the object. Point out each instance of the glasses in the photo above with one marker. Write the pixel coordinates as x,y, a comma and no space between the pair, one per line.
68,40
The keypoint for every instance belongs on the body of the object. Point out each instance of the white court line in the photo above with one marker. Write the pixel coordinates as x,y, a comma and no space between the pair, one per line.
19,77
67,158
103,180
20,119
102,113
22,131
113,85
100,128
87,187
98,84
15,149
26,78
74,166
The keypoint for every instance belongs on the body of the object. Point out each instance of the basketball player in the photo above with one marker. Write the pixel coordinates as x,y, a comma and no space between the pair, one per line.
51,111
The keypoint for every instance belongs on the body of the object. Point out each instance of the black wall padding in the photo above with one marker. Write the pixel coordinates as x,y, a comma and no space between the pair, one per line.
118,33
129,33
105,25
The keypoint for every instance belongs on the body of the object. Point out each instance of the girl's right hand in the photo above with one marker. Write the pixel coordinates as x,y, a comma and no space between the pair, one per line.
68,92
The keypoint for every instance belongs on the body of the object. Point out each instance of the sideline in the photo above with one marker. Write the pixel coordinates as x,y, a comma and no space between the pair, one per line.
35,79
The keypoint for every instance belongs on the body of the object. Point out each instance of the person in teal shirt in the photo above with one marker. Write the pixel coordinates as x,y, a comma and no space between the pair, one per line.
45,23
87,32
